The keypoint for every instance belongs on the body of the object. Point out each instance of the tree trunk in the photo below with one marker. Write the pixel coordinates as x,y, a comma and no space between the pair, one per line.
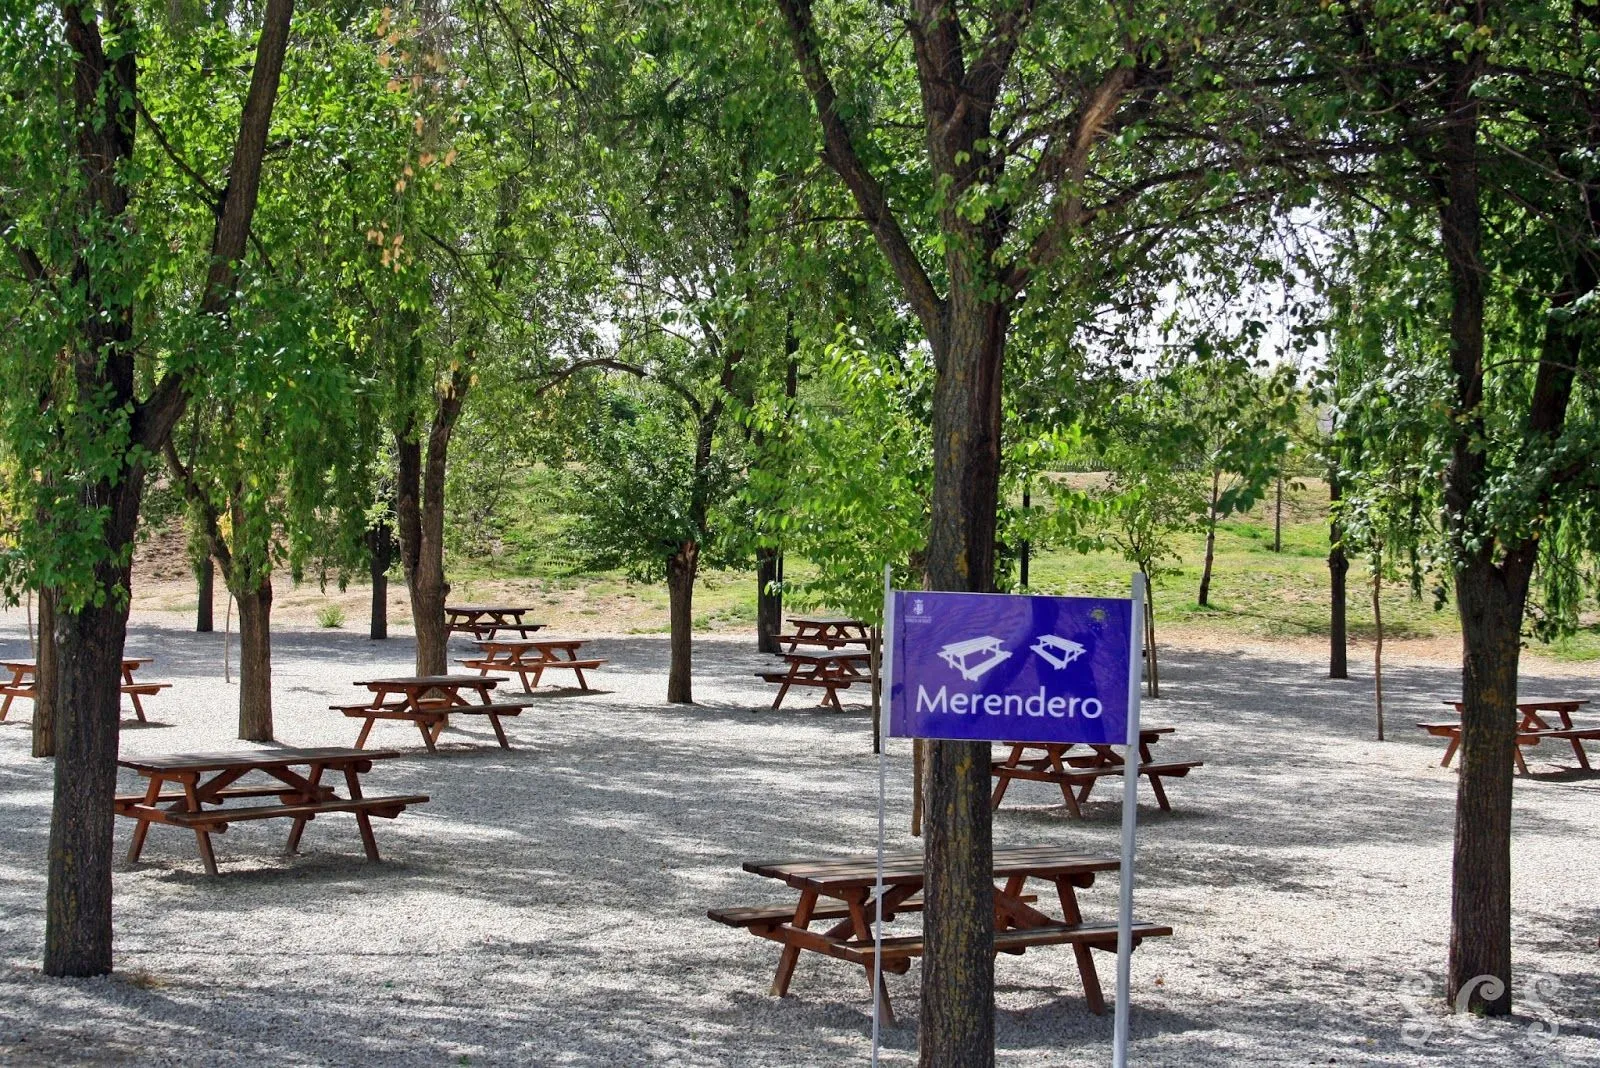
958,923
681,568
769,602
1479,977
1338,569
1377,645
1277,519
44,702
1152,663
1025,549
255,663
205,579
419,513
380,554
78,902
1211,541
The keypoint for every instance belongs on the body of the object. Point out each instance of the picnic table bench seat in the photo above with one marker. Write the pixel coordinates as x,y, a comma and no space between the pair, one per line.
218,819
899,949
124,801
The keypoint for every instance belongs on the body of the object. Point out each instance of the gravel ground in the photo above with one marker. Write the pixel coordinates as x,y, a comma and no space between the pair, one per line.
548,905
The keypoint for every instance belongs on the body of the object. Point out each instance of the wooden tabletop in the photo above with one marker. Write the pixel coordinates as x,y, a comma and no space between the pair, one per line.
846,872
466,609
431,681
273,758
525,643
829,656
1536,703
33,665
826,621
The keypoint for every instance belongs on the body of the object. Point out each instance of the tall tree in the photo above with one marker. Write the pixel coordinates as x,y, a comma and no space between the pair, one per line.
1476,120
1024,146
73,94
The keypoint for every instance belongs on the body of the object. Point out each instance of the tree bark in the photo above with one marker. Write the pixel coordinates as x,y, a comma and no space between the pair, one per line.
381,555
419,513
1025,549
1153,663
78,904
769,602
1377,643
1211,541
1338,569
1277,519
681,569
255,662
205,580
48,665
958,966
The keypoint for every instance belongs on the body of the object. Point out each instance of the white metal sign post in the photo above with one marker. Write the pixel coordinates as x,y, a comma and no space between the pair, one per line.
1130,819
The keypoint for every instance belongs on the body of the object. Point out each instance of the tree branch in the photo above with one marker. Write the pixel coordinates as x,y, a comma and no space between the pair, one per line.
839,152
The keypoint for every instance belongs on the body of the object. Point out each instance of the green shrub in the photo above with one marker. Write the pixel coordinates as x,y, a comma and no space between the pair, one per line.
329,616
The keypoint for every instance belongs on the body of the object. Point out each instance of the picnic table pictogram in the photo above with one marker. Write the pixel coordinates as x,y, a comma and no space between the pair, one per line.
487,620
1532,728
192,790
24,682
830,632
429,701
840,888
831,669
532,657
1070,766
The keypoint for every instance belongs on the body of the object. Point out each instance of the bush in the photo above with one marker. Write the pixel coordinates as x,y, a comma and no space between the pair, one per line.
330,615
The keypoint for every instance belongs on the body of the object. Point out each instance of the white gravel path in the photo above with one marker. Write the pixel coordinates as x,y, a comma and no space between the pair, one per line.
547,907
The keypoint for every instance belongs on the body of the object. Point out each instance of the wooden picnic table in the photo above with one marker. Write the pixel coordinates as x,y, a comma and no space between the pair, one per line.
828,631
488,620
531,657
24,682
429,701
191,790
840,888
831,669
1532,728
1081,766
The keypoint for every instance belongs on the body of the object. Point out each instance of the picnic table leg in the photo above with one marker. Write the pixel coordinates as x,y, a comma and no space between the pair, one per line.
363,819
430,736
201,835
1450,750
16,680
1522,763
1005,779
1578,751
152,795
1055,752
791,954
783,689
138,709
499,732
1086,970
312,794
863,933
366,729
1155,780
582,682
831,697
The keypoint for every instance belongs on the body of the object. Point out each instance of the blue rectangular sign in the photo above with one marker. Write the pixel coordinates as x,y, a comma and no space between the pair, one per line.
998,667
